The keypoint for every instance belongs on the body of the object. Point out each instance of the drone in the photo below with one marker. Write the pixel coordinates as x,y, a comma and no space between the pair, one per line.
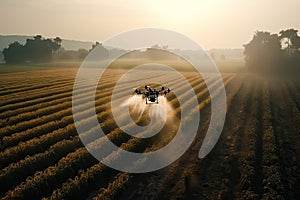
151,94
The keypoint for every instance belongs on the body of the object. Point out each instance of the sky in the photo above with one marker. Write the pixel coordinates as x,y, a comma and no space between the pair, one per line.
211,23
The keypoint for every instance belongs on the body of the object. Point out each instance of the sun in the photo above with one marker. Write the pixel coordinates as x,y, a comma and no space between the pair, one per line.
179,11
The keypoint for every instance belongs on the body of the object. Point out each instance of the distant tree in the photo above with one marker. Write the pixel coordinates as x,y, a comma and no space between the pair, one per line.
38,49
82,53
157,46
14,53
165,47
274,53
291,45
263,52
290,41
37,37
70,55
35,50
95,45
101,50
57,43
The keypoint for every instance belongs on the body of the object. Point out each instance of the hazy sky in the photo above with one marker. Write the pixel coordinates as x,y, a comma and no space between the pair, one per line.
211,23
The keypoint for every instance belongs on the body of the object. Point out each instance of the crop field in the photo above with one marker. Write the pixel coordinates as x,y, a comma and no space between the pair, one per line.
42,157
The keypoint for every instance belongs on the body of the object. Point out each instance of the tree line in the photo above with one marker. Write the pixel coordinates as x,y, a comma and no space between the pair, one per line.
41,50
34,50
268,52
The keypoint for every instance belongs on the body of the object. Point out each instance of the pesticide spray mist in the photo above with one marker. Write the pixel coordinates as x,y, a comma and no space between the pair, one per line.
140,111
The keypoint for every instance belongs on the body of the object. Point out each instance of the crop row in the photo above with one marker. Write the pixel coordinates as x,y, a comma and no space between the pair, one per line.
33,156
10,83
36,94
42,97
41,123
83,181
284,136
123,180
241,146
44,115
114,188
44,182
26,106
37,97
272,183
62,130
67,120
33,86
74,187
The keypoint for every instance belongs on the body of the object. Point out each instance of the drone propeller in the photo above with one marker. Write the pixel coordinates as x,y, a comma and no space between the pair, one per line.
166,91
138,92
152,91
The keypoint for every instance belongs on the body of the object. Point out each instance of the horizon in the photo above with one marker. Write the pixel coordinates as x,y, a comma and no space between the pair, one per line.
85,41
201,21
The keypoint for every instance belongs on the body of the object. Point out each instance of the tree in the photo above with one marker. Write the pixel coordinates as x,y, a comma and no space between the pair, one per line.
95,45
35,50
70,55
101,50
290,41
57,43
263,52
291,46
268,52
14,53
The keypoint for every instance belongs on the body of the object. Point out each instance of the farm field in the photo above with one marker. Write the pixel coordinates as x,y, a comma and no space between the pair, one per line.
42,157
